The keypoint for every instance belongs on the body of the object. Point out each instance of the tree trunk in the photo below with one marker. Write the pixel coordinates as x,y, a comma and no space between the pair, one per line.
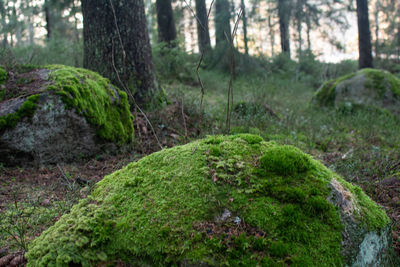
222,21
364,35
271,36
308,22
246,47
48,20
284,18
165,21
116,45
203,32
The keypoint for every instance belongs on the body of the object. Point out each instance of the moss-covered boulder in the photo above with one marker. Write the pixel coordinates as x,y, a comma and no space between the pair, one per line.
58,113
224,200
371,87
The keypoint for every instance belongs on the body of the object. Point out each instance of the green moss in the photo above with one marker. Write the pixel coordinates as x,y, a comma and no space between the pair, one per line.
166,209
285,160
380,80
325,96
103,105
3,75
27,109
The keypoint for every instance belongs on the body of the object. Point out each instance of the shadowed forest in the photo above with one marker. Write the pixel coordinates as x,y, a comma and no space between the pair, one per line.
199,133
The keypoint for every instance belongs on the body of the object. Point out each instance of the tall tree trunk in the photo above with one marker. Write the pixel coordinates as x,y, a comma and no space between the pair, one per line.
271,35
203,32
377,29
48,19
165,21
246,47
149,16
284,18
222,21
308,22
364,35
116,44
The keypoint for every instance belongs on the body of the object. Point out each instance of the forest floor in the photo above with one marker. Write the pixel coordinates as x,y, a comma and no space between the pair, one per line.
362,145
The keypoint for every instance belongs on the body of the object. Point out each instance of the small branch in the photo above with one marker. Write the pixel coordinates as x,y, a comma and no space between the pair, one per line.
129,93
230,39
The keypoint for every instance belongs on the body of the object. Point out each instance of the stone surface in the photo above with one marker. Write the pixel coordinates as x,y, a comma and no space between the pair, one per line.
368,87
61,114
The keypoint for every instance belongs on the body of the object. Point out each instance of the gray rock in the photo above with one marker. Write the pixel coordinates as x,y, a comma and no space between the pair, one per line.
54,134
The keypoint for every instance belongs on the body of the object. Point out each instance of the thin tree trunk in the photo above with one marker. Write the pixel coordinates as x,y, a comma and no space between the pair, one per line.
48,19
246,47
203,32
308,22
116,44
284,18
165,21
271,36
377,29
364,35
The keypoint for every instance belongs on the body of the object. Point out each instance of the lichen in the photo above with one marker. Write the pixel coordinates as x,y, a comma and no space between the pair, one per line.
26,110
223,200
104,106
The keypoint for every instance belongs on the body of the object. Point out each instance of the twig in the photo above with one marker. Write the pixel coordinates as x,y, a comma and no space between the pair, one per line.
64,176
129,93
118,31
201,56
230,39
184,120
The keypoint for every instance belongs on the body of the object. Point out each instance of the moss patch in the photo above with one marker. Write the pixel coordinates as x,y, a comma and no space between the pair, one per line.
27,109
103,105
325,96
223,200
381,80
3,75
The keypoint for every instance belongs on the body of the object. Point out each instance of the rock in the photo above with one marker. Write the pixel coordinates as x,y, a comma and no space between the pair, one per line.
368,87
17,261
4,261
269,205
60,113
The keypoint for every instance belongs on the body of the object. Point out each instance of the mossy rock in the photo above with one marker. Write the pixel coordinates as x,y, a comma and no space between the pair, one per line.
369,87
223,200
59,113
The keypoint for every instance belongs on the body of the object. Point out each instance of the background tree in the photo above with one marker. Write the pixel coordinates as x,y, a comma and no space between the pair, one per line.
364,35
165,21
222,21
116,44
203,32
244,19
284,14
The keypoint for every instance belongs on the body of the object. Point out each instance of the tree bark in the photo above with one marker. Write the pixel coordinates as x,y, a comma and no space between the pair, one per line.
165,21
364,36
116,45
48,19
203,32
246,47
222,21
284,18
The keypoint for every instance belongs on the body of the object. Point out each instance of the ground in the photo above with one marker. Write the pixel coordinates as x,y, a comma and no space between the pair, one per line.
361,146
